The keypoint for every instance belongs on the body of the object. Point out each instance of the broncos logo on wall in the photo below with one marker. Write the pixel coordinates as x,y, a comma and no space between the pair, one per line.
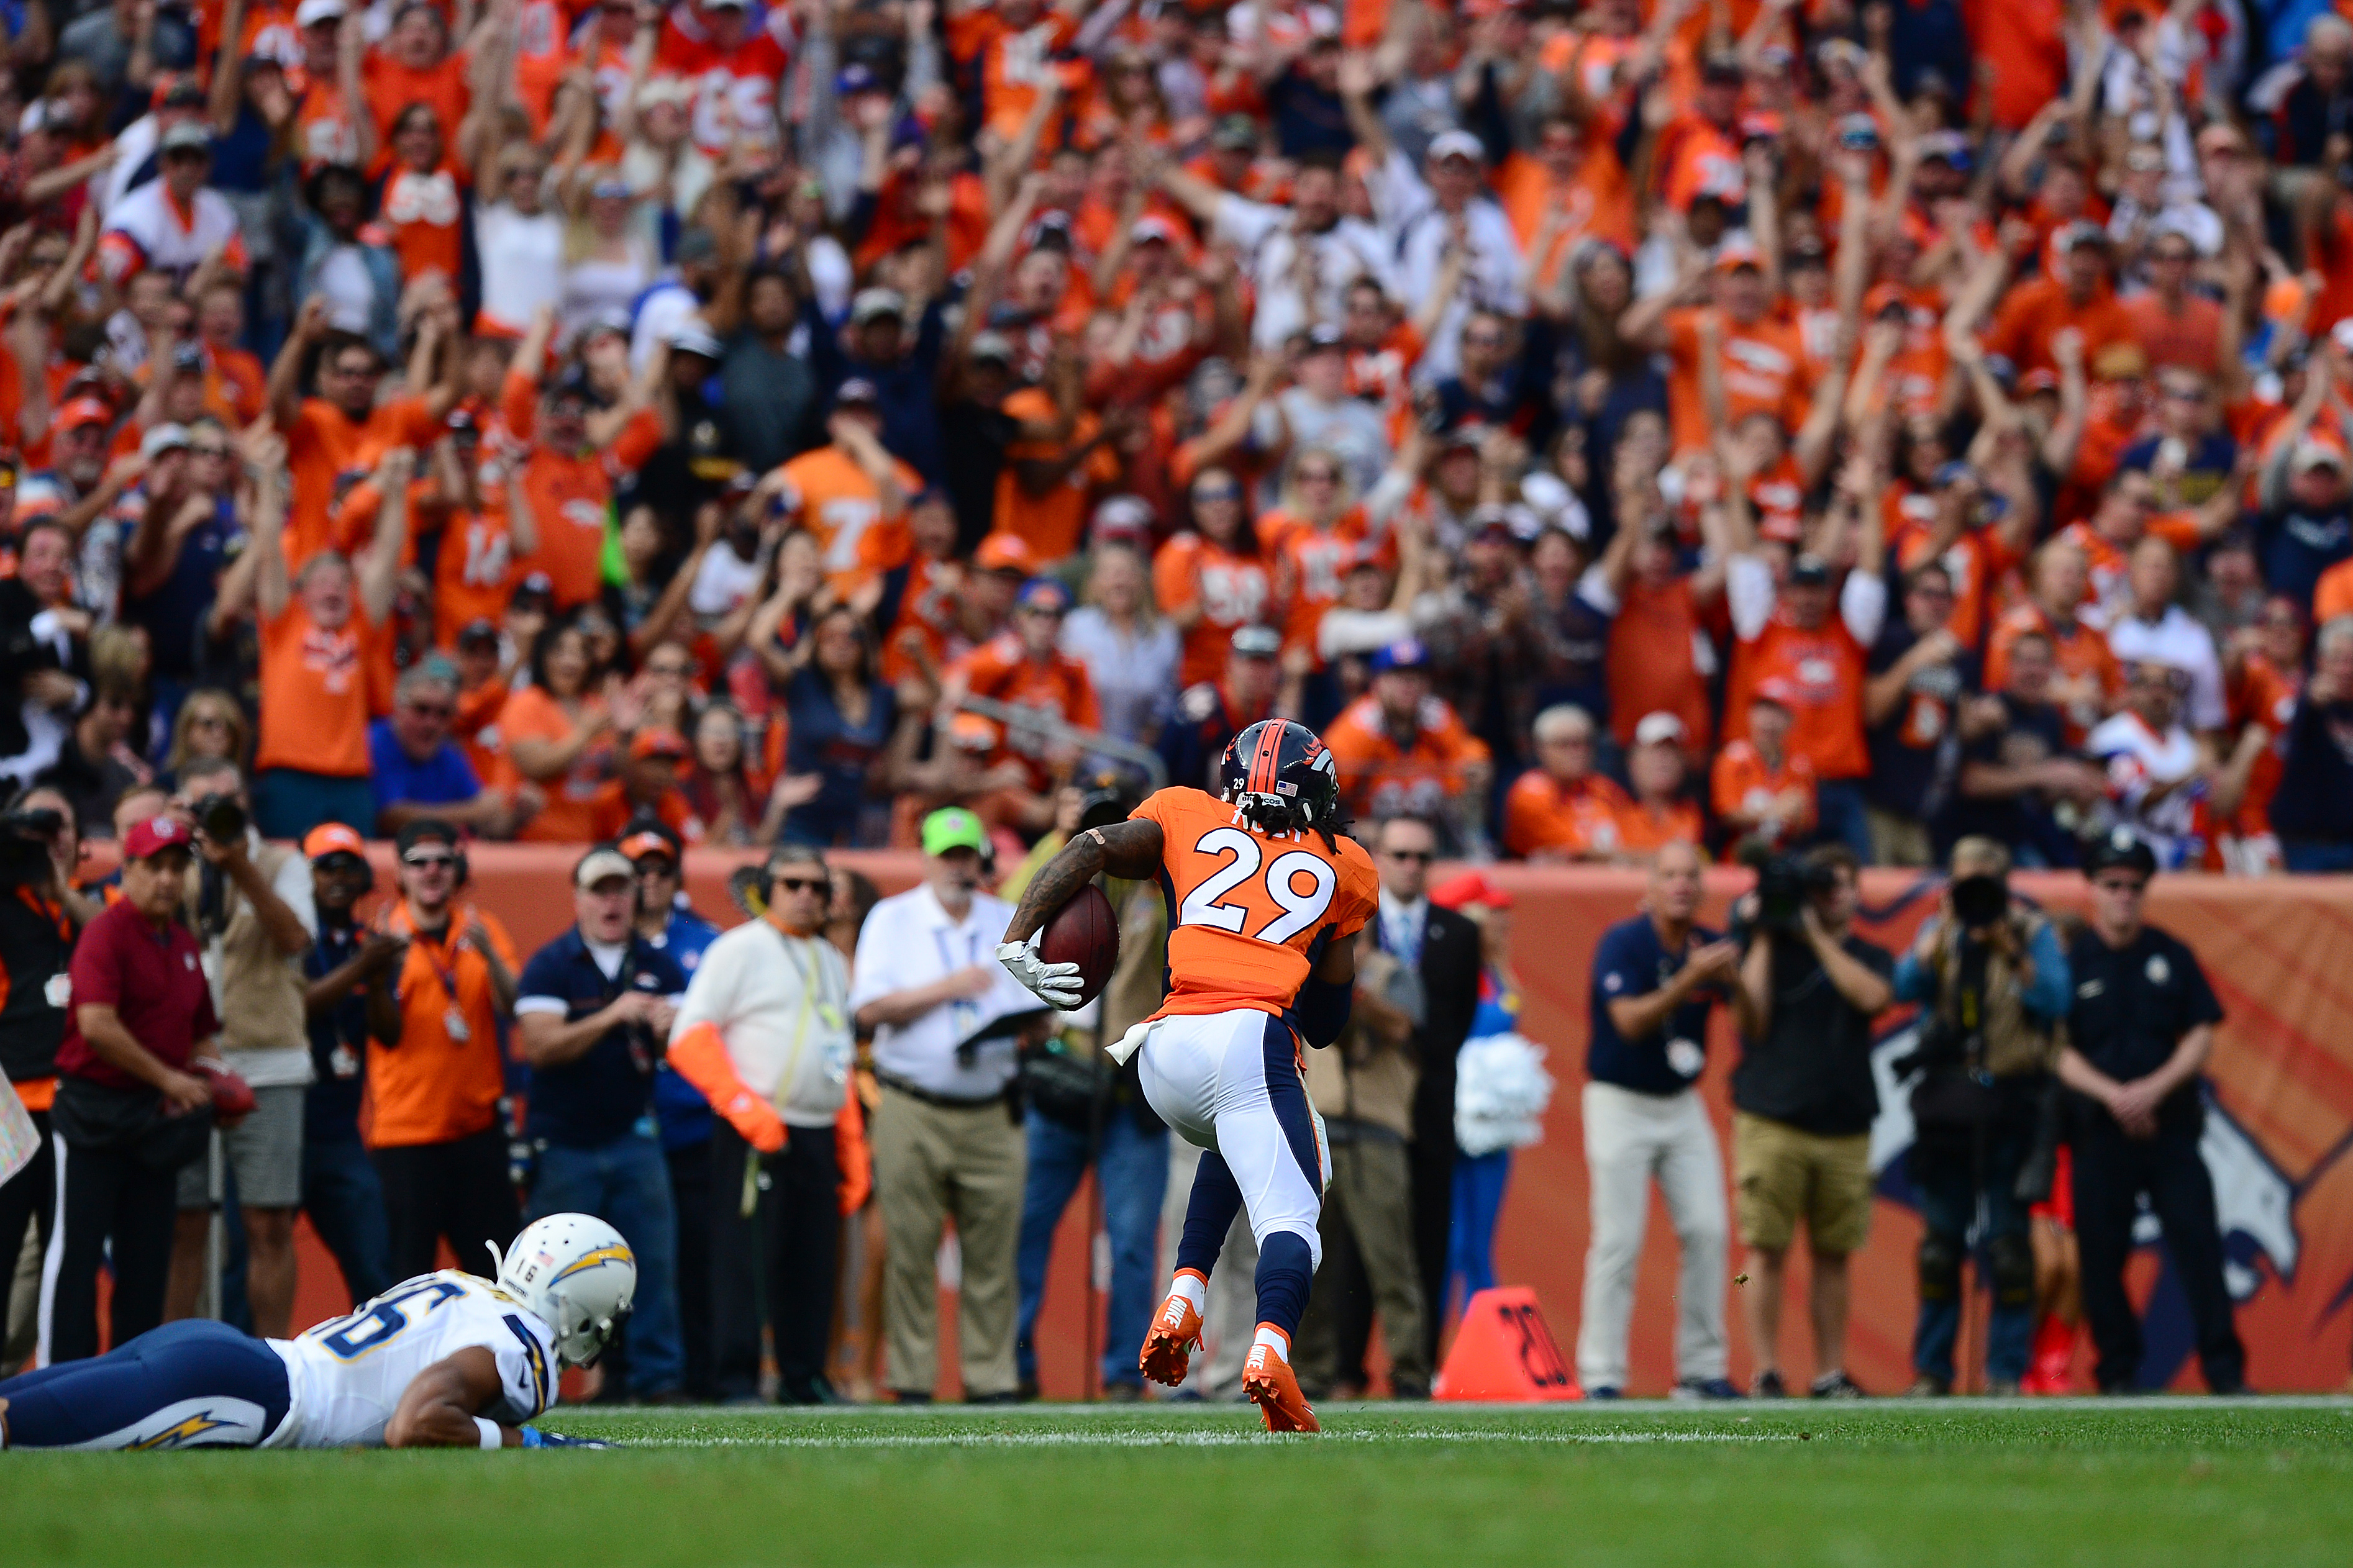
2255,1198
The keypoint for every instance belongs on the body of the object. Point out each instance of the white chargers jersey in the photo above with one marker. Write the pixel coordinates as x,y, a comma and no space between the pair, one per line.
346,1376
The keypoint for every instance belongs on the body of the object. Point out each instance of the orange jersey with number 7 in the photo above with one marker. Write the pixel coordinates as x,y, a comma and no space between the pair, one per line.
1248,910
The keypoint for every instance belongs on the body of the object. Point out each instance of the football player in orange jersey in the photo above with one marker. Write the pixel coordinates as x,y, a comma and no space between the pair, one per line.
1264,896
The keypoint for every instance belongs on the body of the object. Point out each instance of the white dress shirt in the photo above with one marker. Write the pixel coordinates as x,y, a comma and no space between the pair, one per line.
910,941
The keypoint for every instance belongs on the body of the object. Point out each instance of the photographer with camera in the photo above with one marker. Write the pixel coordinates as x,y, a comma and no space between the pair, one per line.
1993,982
248,902
1803,1098
40,917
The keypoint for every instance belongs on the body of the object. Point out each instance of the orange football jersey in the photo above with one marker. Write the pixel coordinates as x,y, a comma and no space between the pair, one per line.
1247,907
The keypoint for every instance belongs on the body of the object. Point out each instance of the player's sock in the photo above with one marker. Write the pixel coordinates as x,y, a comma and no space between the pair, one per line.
1210,1215
1277,1343
1194,1287
1285,1271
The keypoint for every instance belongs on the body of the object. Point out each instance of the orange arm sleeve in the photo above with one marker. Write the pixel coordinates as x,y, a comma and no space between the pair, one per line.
701,1058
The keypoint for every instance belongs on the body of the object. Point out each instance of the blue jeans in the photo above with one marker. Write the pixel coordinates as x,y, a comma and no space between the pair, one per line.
1838,816
344,1198
1471,1240
2315,854
625,1183
1945,1174
288,802
1133,1166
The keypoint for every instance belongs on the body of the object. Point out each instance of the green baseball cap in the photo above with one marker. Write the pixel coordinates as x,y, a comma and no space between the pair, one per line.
954,827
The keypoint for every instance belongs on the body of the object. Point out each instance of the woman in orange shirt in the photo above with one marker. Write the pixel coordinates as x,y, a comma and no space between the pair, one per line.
1213,582
321,634
562,735
423,195
1311,539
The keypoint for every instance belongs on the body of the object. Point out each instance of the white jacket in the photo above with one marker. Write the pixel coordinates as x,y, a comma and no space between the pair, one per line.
782,1004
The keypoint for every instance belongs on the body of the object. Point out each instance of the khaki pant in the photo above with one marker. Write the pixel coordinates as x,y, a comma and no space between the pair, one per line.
1898,840
932,1162
1371,1197
1781,1174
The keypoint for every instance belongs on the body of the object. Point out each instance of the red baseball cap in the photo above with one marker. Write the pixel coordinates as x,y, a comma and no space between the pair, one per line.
1470,888
333,838
84,411
659,743
638,845
1002,552
151,837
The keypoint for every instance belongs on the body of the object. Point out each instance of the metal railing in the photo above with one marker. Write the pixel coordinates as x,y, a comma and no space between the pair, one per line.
1047,727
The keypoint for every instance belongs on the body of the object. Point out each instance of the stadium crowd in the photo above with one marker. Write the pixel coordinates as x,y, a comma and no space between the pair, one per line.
1609,425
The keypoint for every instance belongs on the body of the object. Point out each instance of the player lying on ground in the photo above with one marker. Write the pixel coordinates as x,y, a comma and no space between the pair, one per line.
442,1360
1266,897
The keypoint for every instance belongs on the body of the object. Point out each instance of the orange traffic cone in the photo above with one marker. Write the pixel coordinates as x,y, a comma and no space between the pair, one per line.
1503,1350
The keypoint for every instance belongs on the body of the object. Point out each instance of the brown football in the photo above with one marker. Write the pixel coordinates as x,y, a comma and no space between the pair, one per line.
1085,932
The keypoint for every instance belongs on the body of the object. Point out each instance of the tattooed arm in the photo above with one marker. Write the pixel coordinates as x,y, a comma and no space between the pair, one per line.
1130,848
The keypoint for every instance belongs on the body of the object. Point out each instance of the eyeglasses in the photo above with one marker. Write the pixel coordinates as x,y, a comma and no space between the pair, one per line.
1221,492
802,884
1420,857
417,861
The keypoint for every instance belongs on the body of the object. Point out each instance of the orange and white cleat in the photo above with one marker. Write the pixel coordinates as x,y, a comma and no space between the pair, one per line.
1176,1332
1267,1379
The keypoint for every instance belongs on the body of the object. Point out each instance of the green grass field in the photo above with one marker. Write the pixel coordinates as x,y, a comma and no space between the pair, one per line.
2246,1485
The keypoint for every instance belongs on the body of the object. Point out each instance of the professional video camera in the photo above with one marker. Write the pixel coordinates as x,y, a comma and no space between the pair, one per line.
1784,883
221,817
25,840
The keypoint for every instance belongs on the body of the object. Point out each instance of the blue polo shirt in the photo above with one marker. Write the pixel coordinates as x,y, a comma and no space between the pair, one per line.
445,778
685,1116
1632,962
599,1096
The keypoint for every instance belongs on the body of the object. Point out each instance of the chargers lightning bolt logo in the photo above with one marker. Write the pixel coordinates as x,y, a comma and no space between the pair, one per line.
181,1431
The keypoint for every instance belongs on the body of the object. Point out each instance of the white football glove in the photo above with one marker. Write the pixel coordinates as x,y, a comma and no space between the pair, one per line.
1055,984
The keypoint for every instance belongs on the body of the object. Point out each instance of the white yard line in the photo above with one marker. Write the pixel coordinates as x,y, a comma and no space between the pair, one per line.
1134,1439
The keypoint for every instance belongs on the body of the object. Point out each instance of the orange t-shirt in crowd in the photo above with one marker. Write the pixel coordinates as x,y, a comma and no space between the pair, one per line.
237,388
2081,655
1743,784
1826,667
838,503
1001,669
1763,371
2332,596
2034,310
422,207
476,730
927,609
1278,897
571,493
392,87
570,815
1596,202
2193,340
1232,590
1050,524
2264,694
314,693
1381,778
1310,563
2021,50
1651,666
326,129
441,1082
1014,66
327,452
1544,817
1642,831
473,574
